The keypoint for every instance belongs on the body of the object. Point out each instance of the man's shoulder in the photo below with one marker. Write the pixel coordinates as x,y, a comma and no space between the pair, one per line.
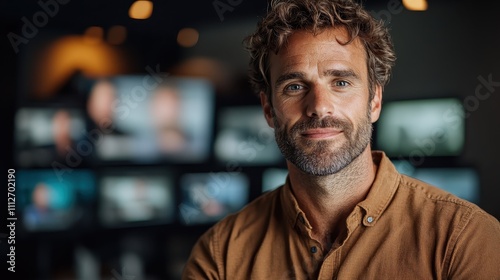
429,197
245,228
253,220
257,210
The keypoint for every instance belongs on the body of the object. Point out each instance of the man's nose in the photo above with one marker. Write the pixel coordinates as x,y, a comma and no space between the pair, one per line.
319,102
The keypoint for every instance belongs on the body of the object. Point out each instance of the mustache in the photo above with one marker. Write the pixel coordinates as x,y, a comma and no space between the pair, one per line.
327,122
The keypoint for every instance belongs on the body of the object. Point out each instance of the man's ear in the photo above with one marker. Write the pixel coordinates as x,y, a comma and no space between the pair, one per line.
376,104
267,107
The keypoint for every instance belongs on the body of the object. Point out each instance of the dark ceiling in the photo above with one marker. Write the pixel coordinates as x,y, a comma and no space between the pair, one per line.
152,40
154,37
167,15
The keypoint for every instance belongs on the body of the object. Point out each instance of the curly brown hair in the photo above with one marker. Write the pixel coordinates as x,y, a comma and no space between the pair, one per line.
286,16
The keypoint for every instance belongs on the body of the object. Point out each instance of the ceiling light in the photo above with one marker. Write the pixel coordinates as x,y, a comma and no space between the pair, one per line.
415,5
141,9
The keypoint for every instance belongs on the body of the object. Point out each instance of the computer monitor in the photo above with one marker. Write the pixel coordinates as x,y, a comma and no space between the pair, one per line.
130,198
48,201
153,119
46,135
421,128
244,136
209,197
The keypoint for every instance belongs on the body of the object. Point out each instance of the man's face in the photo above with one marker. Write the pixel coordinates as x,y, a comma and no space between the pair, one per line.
320,108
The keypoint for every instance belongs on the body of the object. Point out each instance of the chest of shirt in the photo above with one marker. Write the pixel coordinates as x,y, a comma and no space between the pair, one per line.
387,250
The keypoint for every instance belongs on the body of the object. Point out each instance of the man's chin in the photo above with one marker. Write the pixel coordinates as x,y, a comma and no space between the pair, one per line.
320,147
318,169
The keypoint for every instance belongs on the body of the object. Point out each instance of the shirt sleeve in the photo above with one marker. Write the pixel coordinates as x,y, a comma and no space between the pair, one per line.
203,262
476,254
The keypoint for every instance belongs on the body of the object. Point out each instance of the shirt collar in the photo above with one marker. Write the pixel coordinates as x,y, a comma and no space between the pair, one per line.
381,193
293,213
382,190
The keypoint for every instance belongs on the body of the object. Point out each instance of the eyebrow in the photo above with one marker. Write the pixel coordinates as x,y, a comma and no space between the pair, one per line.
341,73
288,76
331,72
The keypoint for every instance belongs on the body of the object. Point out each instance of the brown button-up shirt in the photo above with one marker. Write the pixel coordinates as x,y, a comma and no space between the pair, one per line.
404,229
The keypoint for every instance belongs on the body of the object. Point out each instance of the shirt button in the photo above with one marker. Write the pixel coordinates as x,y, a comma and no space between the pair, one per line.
369,219
314,249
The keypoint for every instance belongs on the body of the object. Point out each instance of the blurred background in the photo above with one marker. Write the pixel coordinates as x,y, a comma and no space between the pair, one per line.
132,128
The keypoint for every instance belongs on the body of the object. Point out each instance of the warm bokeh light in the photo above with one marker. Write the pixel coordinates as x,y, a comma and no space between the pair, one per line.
94,35
415,5
72,54
187,37
141,9
117,35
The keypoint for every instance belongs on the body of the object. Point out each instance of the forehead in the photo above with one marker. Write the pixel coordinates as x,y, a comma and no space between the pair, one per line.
329,46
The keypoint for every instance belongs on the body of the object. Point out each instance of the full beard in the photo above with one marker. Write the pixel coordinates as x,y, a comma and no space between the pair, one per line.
319,157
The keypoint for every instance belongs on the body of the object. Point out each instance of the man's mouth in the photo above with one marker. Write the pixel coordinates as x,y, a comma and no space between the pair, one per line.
321,133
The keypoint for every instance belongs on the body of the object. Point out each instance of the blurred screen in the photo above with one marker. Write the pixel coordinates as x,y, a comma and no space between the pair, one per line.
44,135
50,202
460,181
273,178
245,137
136,199
149,119
429,127
209,197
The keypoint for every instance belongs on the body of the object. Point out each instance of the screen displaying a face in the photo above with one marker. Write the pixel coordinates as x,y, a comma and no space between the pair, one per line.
139,199
147,120
51,201
45,135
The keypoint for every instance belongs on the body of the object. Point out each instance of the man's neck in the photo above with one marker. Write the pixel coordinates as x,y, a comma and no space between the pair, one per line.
328,200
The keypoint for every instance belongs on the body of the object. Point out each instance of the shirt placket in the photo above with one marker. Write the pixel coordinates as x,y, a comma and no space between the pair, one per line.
331,264
313,247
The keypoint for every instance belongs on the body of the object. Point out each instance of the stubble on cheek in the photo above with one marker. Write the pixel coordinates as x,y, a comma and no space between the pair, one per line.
322,157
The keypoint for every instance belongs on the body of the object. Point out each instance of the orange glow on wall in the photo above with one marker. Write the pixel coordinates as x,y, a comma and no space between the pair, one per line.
187,37
69,55
94,34
117,34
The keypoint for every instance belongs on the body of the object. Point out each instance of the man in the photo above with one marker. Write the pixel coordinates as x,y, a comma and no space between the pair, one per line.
165,109
344,211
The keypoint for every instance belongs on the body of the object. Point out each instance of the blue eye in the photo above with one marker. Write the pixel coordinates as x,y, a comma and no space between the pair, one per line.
341,83
294,87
